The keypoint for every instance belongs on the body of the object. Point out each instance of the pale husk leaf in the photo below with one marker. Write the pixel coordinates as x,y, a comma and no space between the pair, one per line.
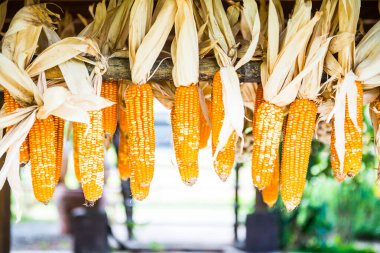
185,48
153,42
21,39
139,24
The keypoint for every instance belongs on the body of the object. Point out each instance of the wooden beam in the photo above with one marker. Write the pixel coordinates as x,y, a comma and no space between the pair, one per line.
119,69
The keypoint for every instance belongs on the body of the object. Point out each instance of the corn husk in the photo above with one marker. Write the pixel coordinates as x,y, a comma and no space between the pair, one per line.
184,48
279,79
110,26
311,85
145,40
27,23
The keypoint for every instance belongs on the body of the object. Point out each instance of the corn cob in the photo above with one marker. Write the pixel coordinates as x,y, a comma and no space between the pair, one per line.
59,125
296,150
90,155
141,136
42,141
353,142
123,157
258,100
267,135
76,148
185,117
110,91
375,105
270,193
226,157
11,106
204,127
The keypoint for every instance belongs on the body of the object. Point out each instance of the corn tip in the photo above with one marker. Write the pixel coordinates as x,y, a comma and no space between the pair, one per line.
190,182
223,177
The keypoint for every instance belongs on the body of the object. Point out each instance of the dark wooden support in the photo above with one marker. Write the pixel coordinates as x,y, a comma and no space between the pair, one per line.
237,204
5,218
5,210
119,69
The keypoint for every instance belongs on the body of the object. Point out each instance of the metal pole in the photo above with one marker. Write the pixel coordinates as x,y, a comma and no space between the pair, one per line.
236,201
127,194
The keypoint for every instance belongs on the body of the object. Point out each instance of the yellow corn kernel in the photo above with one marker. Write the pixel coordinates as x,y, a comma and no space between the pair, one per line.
139,192
353,142
141,135
123,157
10,106
259,99
226,157
43,158
204,127
185,117
267,135
270,193
59,125
110,91
296,149
89,141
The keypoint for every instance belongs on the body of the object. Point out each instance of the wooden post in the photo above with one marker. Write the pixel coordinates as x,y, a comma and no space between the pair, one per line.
5,218
5,208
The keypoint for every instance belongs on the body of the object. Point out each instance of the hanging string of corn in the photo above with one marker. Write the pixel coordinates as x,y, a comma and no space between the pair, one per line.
280,83
302,113
227,104
147,35
347,118
185,114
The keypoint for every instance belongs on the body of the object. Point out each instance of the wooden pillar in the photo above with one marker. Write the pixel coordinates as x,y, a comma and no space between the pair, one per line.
5,218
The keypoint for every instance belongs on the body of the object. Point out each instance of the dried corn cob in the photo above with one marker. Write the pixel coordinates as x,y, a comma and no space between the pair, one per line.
76,148
267,135
258,100
11,106
140,131
296,149
59,125
375,105
110,92
43,158
204,127
270,193
123,157
353,142
226,157
90,155
185,117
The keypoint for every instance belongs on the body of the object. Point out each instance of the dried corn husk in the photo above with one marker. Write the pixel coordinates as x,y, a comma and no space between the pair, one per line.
184,48
279,79
145,40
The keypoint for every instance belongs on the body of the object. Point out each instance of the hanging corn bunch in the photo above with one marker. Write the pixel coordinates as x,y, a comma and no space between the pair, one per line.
280,84
40,99
227,119
302,114
185,114
367,55
347,118
146,40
